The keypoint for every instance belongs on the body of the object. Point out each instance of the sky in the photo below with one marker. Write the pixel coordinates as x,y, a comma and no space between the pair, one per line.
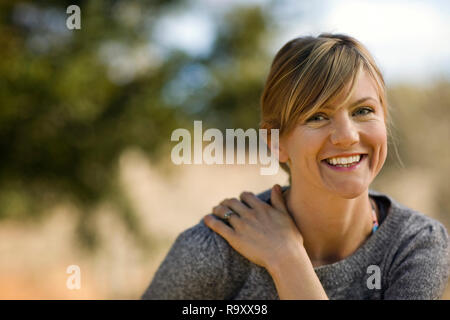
408,39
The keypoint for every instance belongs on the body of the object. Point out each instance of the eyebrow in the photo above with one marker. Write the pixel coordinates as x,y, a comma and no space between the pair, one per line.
353,104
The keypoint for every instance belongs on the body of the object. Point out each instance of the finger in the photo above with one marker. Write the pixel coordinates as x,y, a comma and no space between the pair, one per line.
277,199
220,210
219,227
237,206
252,200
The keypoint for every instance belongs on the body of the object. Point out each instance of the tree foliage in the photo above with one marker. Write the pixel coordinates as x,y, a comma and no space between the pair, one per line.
73,100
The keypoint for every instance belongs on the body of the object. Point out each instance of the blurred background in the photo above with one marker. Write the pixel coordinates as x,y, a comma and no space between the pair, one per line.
86,118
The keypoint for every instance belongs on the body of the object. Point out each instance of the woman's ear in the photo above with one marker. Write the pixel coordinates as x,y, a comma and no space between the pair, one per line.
283,155
281,145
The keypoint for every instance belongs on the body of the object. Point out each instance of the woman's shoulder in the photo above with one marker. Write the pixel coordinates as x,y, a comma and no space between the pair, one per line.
199,265
408,222
412,234
203,244
200,238
417,253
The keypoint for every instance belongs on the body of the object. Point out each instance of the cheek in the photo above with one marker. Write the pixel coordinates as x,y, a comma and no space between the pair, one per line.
377,139
305,147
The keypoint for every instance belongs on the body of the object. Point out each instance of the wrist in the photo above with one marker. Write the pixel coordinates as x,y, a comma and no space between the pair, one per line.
279,264
294,278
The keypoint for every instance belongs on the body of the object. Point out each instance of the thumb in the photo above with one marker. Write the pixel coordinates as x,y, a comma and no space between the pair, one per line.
276,198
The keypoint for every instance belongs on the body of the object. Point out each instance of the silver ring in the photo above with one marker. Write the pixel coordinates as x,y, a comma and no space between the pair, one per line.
228,214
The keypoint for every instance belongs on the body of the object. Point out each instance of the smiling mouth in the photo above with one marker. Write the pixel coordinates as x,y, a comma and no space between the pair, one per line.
345,162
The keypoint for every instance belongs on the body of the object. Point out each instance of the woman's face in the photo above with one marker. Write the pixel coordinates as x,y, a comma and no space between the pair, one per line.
341,148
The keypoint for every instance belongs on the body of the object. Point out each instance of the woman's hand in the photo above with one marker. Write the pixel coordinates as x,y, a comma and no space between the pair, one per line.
260,232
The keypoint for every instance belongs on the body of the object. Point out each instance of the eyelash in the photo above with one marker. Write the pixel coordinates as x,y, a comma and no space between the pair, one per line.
370,110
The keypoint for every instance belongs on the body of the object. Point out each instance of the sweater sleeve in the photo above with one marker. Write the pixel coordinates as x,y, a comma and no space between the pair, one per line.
421,267
196,267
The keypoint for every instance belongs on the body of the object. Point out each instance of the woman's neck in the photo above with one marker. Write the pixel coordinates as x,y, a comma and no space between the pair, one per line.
332,227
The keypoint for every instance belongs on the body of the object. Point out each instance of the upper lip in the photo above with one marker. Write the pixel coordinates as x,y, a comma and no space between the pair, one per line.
344,155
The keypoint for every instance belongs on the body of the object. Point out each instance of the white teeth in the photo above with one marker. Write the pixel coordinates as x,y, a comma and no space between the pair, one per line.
344,161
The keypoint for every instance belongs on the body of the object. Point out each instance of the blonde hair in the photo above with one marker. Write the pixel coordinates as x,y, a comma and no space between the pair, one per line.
308,72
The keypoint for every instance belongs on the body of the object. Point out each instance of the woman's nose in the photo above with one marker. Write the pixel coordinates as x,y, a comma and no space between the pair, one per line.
344,133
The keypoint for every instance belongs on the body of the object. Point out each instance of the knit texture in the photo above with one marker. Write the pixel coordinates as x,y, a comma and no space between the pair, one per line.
410,249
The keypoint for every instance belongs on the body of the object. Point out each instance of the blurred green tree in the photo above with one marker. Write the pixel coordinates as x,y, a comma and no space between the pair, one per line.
73,100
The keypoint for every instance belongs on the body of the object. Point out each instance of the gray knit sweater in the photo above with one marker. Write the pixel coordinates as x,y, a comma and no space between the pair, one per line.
410,252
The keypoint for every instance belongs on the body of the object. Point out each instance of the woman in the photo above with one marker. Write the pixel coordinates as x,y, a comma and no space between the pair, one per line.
326,235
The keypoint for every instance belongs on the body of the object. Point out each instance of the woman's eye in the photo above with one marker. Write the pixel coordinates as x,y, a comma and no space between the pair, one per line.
317,117
363,111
